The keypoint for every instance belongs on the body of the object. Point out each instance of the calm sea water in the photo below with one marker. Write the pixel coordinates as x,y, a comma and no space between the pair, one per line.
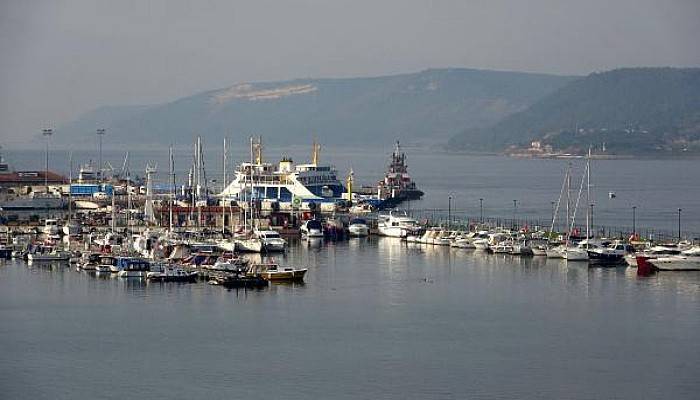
657,188
375,319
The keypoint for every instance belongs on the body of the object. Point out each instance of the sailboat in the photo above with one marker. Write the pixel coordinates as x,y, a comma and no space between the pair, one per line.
556,250
580,252
70,228
246,240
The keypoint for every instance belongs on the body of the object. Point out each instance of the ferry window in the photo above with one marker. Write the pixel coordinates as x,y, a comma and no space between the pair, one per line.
285,194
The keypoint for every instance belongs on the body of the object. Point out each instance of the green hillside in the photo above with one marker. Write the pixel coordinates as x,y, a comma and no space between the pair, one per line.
427,107
627,111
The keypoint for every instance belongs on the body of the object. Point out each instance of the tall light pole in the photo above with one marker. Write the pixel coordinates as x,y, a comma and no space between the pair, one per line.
553,203
47,134
481,210
634,220
449,211
100,133
679,224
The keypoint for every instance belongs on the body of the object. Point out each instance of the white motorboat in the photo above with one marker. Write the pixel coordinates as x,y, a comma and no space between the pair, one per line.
89,261
311,228
688,260
271,241
52,255
676,263
539,250
249,245
170,273
226,245
521,249
106,263
575,253
358,227
613,254
132,267
236,265
397,224
555,251
505,247
481,244
434,236
442,238
462,241
664,250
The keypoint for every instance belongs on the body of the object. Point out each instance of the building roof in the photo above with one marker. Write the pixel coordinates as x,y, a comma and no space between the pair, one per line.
31,178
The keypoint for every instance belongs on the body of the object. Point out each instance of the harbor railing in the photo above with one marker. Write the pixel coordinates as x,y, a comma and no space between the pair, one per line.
457,221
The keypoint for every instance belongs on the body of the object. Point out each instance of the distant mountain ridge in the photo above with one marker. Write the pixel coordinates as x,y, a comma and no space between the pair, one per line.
623,111
427,107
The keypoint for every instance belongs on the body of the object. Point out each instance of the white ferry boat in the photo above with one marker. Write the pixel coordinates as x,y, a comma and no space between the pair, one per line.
285,182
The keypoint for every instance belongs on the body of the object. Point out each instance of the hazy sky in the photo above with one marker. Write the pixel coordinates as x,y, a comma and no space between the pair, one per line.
59,59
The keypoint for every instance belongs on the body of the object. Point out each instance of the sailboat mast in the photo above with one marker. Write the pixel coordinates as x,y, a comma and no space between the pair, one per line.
128,211
588,195
198,174
172,188
568,204
223,185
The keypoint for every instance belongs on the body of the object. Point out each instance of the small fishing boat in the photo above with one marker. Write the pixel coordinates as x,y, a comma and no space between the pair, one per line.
169,273
358,227
89,261
105,263
132,267
613,254
49,254
273,272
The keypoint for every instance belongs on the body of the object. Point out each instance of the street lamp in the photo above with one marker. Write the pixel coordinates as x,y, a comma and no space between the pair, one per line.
100,133
449,211
481,210
552,203
634,220
47,134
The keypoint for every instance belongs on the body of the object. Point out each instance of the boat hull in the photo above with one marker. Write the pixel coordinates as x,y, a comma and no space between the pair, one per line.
676,263
358,230
284,276
597,258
